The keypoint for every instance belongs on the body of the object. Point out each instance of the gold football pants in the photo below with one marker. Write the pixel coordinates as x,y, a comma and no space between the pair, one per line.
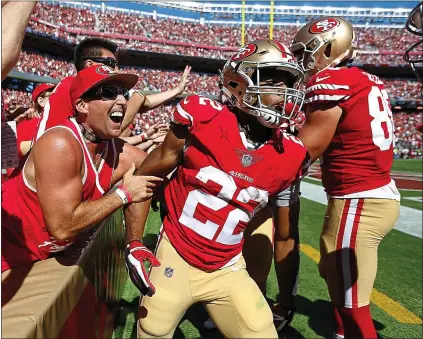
231,297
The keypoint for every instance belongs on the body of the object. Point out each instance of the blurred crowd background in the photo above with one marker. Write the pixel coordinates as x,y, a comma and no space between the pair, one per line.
379,47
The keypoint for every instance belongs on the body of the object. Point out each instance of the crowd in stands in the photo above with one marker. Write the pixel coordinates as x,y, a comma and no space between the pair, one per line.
178,31
154,80
408,142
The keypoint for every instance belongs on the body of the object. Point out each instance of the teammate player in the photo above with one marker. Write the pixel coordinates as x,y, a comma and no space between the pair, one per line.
231,167
61,190
349,125
414,26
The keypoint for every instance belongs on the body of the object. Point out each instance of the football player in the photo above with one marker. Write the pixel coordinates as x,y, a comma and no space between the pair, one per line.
414,26
232,165
349,125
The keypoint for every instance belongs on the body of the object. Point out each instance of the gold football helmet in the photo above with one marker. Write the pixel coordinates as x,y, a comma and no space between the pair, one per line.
414,54
240,82
323,43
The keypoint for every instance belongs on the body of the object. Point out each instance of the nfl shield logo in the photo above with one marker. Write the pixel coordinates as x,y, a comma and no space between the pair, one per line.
168,272
246,160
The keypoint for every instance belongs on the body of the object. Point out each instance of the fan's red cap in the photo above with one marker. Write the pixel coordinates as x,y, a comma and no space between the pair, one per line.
97,75
40,89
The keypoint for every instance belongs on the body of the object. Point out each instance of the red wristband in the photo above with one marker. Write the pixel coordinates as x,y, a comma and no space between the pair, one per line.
131,127
127,194
144,137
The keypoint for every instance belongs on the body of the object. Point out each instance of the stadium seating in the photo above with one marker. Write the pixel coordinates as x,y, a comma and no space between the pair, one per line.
47,65
177,37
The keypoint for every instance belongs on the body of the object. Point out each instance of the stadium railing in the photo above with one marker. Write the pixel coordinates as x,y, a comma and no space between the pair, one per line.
75,294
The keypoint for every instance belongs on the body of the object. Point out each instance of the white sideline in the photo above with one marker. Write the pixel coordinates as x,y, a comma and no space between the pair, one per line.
410,220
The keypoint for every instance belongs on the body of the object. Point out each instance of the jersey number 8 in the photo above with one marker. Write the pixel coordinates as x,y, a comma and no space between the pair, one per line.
382,124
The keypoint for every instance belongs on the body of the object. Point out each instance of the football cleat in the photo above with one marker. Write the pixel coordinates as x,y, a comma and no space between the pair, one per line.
282,317
209,324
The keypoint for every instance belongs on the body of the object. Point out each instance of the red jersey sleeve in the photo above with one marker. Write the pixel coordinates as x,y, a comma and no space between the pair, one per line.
195,110
329,86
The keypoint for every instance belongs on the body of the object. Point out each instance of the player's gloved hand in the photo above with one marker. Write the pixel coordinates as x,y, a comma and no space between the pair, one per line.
135,255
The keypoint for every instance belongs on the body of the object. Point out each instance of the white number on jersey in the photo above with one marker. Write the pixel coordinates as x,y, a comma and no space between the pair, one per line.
203,101
382,124
209,229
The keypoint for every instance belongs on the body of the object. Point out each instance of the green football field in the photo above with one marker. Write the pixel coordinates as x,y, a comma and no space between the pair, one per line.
396,298
407,165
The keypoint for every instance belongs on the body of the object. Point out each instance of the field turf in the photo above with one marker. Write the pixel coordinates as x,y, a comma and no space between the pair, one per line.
396,300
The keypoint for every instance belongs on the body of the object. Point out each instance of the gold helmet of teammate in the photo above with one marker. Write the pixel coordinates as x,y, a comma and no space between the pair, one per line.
323,43
414,53
241,81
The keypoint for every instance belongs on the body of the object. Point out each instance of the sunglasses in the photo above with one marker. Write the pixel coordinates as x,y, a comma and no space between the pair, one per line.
111,62
108,92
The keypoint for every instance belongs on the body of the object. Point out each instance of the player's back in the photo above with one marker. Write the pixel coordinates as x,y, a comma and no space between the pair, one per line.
359,157
221,183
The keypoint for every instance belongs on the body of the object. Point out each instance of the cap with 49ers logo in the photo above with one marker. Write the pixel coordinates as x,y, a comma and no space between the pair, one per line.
324,25
97,75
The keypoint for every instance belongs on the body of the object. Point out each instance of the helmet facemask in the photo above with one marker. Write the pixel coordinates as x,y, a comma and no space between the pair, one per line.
247,81
414,53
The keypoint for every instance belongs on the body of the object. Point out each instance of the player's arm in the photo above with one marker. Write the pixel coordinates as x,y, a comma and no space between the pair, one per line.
163,160
286,209
319,128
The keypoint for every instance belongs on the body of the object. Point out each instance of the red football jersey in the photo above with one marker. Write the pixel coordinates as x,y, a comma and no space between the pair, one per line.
221,184
359,158
25,238
58,108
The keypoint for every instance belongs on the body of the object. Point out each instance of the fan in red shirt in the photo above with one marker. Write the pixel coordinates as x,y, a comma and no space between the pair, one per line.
96,51
27,129
63,186
349,126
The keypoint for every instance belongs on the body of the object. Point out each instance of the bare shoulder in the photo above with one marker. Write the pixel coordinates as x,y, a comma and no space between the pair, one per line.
58,144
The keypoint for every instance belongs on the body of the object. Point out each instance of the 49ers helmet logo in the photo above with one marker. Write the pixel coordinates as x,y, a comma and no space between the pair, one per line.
244,52
324,25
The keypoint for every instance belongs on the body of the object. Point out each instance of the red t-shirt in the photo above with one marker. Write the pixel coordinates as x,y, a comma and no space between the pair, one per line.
58,108
359,157
26,131
221,184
